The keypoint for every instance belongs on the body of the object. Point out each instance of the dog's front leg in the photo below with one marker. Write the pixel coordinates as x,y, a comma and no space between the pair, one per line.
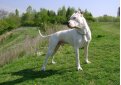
86,54
77,59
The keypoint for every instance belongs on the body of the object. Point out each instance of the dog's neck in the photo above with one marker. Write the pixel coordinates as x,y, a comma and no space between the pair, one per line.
88,34
82,26
86,25
84,29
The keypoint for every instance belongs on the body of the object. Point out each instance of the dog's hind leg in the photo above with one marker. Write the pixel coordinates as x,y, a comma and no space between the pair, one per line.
50,52
57,46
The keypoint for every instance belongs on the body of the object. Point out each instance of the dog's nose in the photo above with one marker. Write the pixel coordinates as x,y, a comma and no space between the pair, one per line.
68,24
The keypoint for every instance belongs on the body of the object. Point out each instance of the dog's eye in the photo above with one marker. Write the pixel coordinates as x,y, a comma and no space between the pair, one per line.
74,17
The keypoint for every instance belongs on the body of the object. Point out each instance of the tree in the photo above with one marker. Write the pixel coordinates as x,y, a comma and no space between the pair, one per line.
62,11
43,14
51,13
88,16
17,12
61,15
28,17
12,21
69,12
29,10
52,17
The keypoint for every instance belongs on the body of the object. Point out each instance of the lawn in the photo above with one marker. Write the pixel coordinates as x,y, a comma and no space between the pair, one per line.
104,53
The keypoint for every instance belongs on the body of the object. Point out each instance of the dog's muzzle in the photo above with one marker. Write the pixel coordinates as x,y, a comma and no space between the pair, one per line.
68,24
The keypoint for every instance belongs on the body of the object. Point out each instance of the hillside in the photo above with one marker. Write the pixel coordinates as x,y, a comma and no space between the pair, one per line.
104,53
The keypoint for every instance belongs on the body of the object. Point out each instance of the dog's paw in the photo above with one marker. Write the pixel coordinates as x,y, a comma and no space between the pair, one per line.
79,68
43,69
53,62
88,62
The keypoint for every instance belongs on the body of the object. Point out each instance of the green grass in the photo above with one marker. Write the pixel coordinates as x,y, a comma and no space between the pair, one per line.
17,36
16,43
103,53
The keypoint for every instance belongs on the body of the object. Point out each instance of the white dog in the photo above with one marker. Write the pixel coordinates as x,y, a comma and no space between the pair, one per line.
78,37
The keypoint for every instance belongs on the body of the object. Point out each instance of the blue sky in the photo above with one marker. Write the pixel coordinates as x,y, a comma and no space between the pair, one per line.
96,7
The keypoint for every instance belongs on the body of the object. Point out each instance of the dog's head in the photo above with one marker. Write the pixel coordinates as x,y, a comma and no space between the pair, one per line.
76,20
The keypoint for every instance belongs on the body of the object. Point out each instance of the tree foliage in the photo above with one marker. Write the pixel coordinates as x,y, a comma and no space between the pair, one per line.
69,12
106,18
43,17
27,18
10,22
89,17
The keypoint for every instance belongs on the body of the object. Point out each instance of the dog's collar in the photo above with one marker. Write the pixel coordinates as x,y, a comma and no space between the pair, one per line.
79,32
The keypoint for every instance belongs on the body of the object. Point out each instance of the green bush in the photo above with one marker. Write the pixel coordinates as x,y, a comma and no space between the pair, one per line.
107,18
45,17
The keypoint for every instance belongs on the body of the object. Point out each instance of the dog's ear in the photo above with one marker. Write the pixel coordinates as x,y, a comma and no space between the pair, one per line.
80,11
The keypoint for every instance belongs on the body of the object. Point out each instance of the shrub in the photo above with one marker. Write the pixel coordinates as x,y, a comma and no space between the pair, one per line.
107,18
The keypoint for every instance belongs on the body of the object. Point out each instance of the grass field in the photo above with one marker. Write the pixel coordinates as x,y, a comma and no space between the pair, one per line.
104,53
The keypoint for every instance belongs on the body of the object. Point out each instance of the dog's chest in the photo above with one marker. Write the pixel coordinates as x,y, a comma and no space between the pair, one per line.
80,42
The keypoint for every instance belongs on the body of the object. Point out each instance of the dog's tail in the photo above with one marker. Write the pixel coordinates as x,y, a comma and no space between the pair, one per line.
42,35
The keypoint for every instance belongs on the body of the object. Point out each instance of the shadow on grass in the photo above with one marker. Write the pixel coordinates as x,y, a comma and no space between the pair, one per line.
30,74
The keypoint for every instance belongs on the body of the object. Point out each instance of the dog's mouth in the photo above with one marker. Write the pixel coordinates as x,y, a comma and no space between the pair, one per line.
68,24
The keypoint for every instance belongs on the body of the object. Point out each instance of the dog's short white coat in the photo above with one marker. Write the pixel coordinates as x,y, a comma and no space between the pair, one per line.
78,37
